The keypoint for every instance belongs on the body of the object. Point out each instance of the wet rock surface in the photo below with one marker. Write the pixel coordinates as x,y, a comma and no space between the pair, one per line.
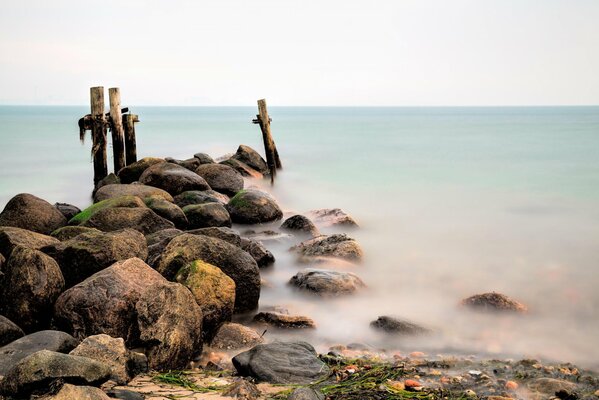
69,232
258,252
173,178
327,282
167,210
126,201
253,207
221,178
251,158
223,233
242,168
27,211
68,210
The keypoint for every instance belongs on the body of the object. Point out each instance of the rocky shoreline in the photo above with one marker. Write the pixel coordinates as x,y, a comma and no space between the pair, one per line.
133,297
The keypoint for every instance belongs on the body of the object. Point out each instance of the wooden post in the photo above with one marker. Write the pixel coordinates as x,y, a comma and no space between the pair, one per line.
98,133
129,121
272,155
116,128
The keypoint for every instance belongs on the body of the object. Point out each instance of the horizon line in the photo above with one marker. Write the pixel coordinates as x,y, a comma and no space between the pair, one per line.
318,106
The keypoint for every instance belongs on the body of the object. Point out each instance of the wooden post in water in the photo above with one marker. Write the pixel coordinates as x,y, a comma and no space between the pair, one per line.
129,121
116,128
272,155
98,129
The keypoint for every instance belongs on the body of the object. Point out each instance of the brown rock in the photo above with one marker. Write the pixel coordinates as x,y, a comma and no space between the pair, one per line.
232,336
27,211
9,331
167,210
69,232
327,217
108,350
12,237
327,282
243,169
200,197
173,178
132,172
493,302
284,320
72,392
258,252
300,224
338,245
253,207
143,220
207,215
221,178
127,201
134,189
251,158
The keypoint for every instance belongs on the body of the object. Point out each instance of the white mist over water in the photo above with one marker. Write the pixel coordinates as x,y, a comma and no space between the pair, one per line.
451,202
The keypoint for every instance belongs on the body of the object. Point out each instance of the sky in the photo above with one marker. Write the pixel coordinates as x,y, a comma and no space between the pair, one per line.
308,53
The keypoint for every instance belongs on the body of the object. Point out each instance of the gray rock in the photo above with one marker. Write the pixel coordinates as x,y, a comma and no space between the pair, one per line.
17,350
9,331
223,233
242,389
72,392
398,326
110,179
493,302
551,386
326,282
221,178
27,211
258,252
338,245
167,210
284,321
134,189
300,224
190,164
305,393
327,217
124,394
200,197
251,158
282,363
143,220
204,158
253,207
207,215
233,336
108,350
132,172
38,370
158,237
173,178
69,232
12,237
242,168
68,210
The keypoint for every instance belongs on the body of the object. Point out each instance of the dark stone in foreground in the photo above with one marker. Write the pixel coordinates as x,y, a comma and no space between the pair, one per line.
325,282
279,362
38,370
494,302
9,331
253,207
398,326
30,212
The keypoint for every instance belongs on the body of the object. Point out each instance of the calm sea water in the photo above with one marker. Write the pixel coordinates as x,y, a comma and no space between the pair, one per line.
451,202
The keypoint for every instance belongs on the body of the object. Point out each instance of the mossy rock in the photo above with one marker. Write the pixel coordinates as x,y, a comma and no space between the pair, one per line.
121,201
253,207
167,210
207,215
69,232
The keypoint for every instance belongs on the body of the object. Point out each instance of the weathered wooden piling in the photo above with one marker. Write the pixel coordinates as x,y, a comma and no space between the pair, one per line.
116,128
272,155
129,121
98,128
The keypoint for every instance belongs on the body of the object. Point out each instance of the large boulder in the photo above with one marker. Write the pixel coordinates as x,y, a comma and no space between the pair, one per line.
143,220
37,371
167,210
398,326
251,158
232,336
157,242
68,210
126,201
72,392
69,232
17,350
233,261
327,282
222,232
221,178
281,363
30,212
9,331
204,158
200,197
253,207
301,225
134,189
91,252
338,245
207,215
31,284
327,217
258,252
242,168
133,171
493,302
213,291
13,237
172,178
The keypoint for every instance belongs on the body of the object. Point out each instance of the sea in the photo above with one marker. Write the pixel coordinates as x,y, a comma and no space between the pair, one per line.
451,202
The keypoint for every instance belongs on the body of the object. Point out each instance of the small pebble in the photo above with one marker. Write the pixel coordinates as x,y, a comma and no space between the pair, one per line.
511,385
410,383
470,393
474,372
417,354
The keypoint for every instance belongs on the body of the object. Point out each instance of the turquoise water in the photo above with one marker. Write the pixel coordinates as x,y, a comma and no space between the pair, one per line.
452,202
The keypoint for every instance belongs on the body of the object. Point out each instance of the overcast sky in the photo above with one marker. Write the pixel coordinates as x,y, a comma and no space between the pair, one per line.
322,52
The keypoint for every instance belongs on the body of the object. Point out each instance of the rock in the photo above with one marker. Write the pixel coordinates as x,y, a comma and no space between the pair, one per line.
268,236
251,158
72,392
143,220
17,350
328,217
305,393
132,172
110,179
285,321
12,237
551,386
221,178
281,363
167,210
213,291
338,245
2,261
234,262
243,390
190,164
69,232
124,394
204,158
126,201
68,210
242,168
207,215
232,336
108,350
170,325
493,302
398,326
134,189
160,236
172,178
91,252
253,207
258,252
326,282
105,302
32,281
157,242
200,197
301,225
39,369
223,233
32,213
9,331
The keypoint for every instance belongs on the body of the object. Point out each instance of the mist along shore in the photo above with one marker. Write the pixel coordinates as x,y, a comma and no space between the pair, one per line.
134,297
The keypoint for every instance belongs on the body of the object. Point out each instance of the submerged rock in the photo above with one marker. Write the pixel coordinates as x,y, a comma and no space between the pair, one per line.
221,178
12,237
398,326
281,363
327,217
285,321
68,210
134,189
326,282
253,207
29,212
132,172
69,232
232,336
251,158
493,302
172,178
143,220
338,245
207,215
258,252
242,168
167,210
300,224
9,331
200,197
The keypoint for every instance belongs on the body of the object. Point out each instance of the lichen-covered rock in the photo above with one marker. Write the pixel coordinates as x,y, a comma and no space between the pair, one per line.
200,197
285,321
38,370
221,178
242,168
398,326
233,261
232,336
68,210
133,171
338,245
258,252
143,220
134,189
72,392
213,291
126,201
327,282
253,207
170,325
9,331
300,224
204,158
29,212
493,302
207,215
12,237
69,232
167,210
223,233
91,252
173,178
251,158
31,284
